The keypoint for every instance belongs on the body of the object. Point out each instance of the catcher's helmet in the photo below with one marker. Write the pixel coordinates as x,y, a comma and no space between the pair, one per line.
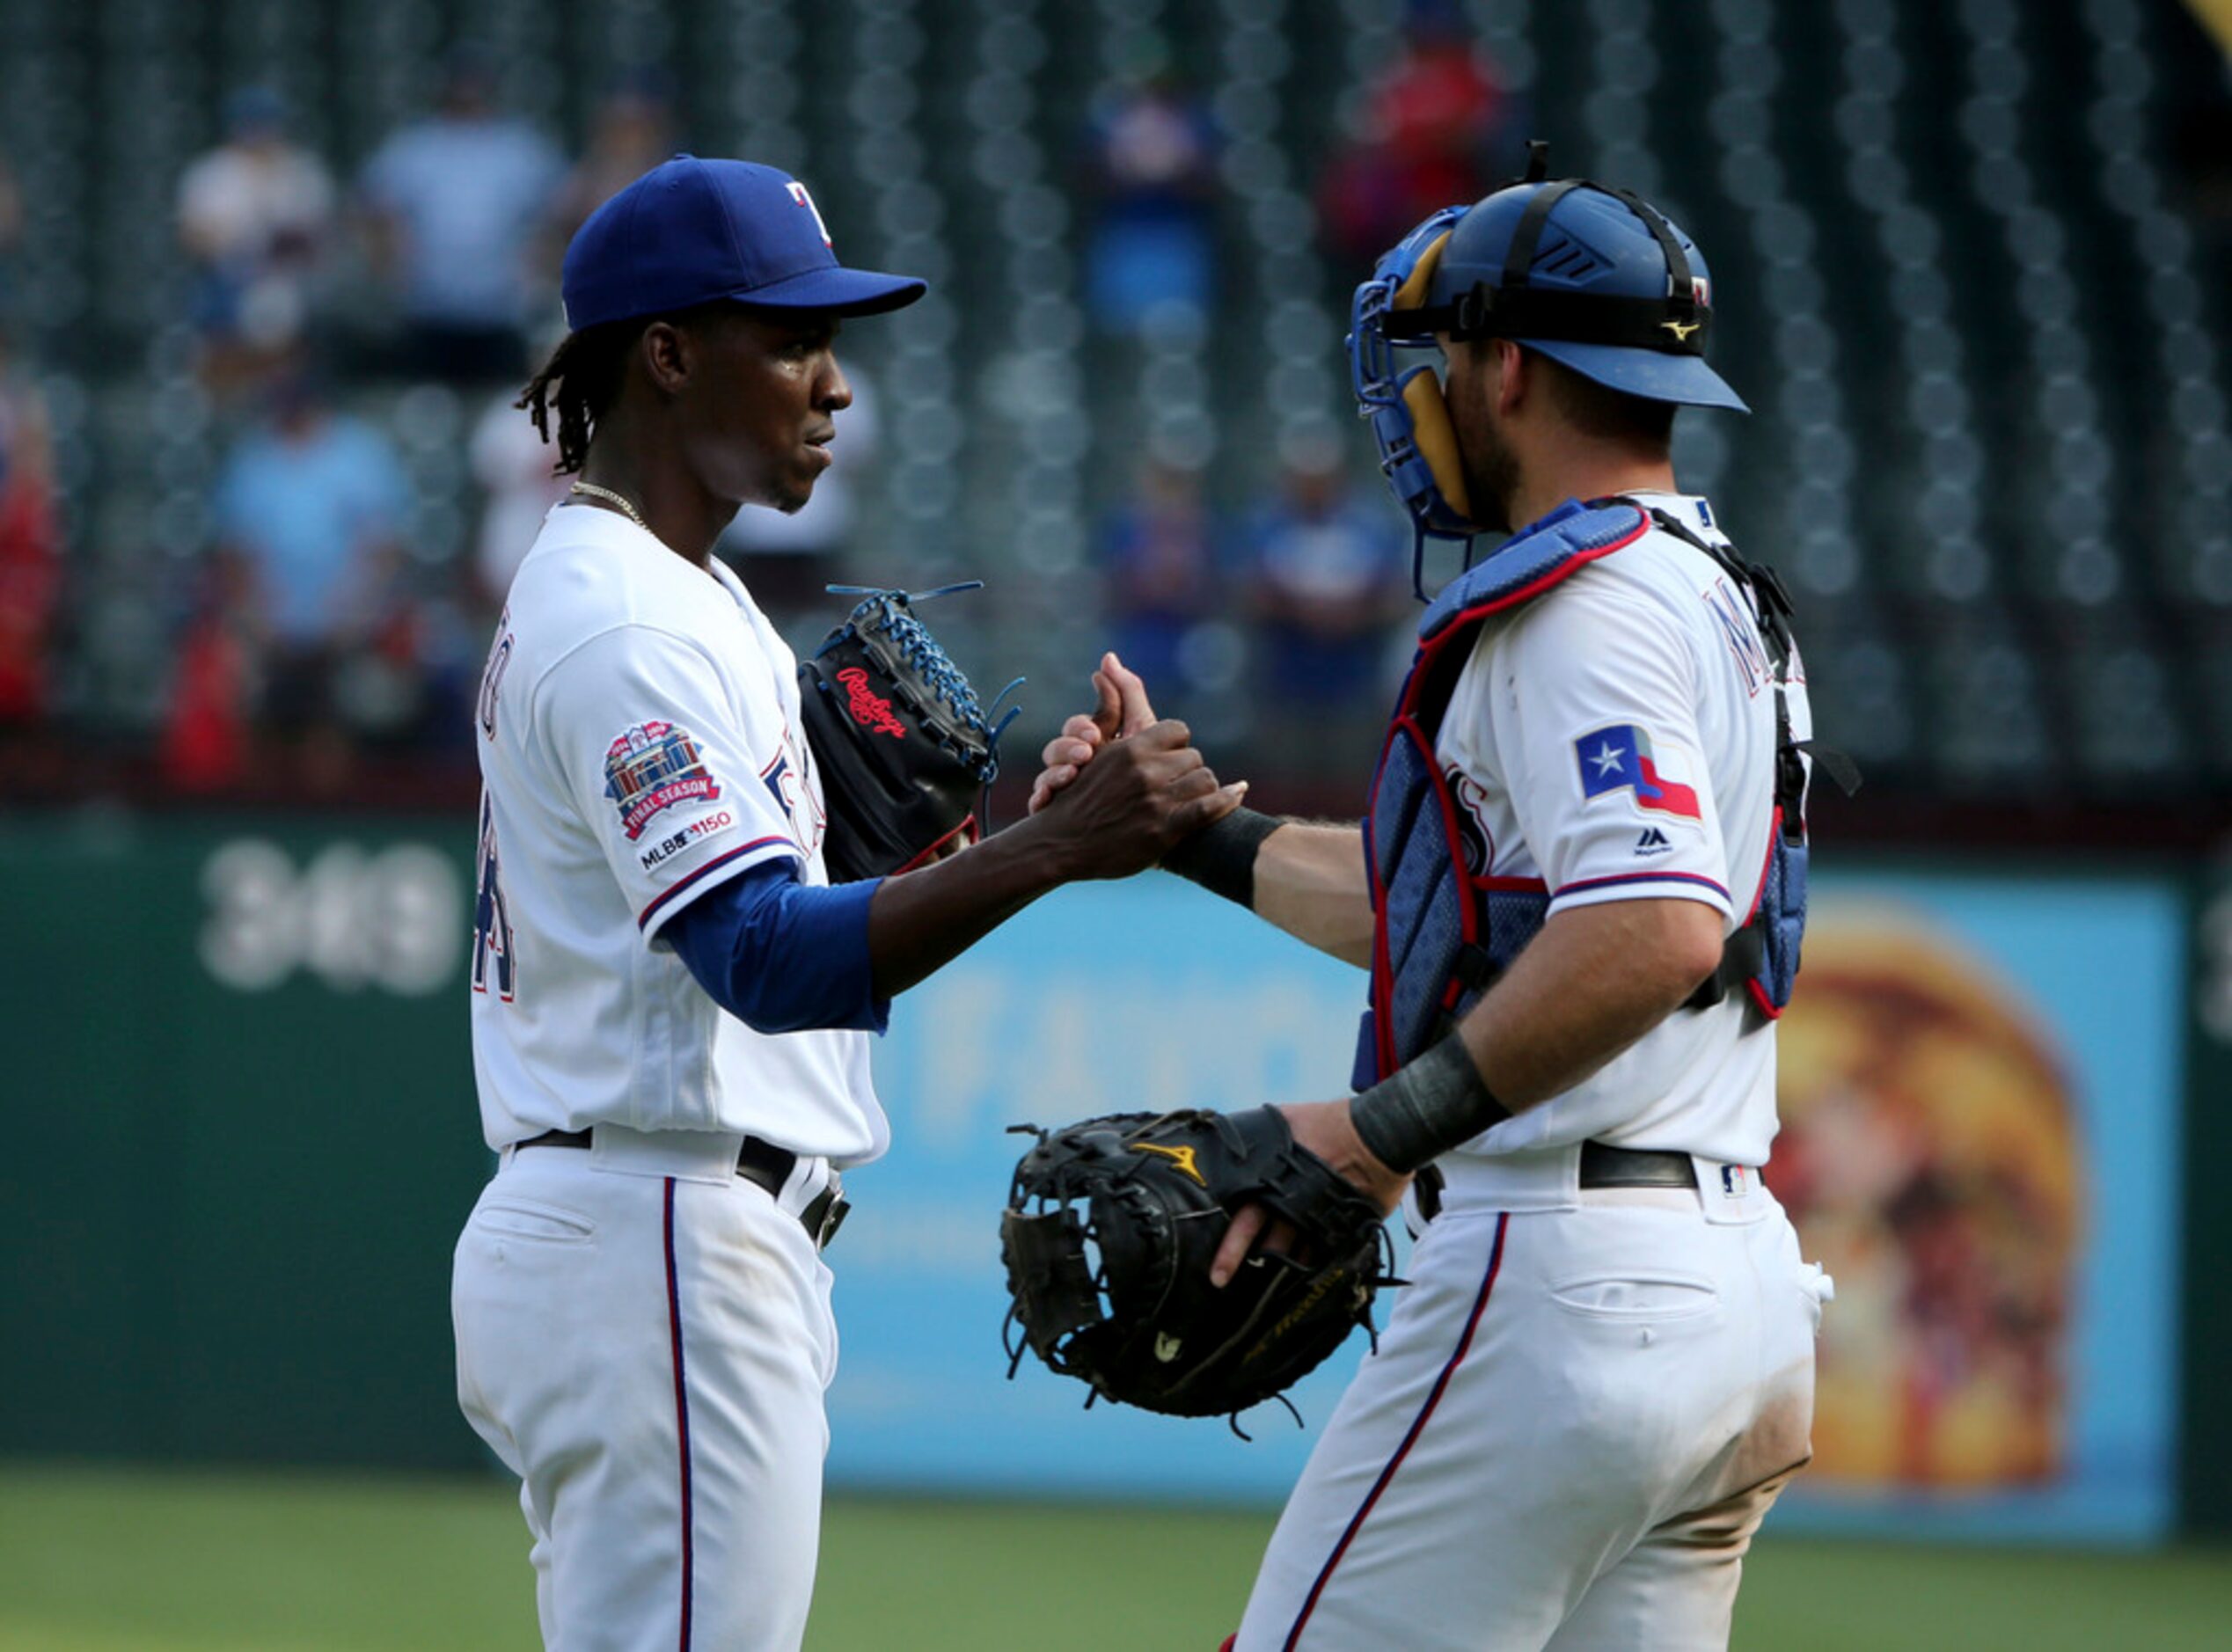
1593,277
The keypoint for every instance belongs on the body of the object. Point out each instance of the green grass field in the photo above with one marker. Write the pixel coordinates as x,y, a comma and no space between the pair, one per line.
96,1561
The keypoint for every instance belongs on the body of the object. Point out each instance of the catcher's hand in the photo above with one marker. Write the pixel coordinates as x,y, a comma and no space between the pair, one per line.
903,747
1322,1129
1108,1237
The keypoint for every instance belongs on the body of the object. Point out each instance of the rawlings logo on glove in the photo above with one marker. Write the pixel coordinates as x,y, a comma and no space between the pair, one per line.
903,748
869,708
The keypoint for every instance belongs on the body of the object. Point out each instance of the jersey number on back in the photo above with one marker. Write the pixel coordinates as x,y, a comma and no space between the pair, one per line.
491,922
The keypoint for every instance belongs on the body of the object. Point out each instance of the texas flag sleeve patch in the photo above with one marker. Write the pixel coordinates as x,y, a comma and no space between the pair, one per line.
1619,758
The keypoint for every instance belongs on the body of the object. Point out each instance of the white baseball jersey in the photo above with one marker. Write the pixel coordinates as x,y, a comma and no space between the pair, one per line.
1589,1397
639,745
1615,740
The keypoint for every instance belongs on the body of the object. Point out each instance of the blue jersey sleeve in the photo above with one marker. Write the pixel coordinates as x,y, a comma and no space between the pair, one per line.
781,955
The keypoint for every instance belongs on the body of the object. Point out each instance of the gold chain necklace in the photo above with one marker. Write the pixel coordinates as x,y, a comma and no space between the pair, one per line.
627,509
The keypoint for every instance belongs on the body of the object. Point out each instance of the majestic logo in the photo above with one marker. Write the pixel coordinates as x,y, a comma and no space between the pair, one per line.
652,767
1620,758
1653,842
1682,330
869,708
1182,1157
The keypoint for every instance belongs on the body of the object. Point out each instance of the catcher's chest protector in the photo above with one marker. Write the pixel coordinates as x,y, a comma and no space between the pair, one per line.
1442,931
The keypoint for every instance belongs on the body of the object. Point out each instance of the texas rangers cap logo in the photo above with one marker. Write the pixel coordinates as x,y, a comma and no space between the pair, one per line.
652,767
799,195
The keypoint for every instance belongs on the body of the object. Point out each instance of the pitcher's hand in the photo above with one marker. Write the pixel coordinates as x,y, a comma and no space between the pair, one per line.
1123,709
1122,812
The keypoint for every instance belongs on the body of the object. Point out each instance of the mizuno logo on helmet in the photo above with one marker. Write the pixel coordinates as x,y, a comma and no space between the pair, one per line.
1682,330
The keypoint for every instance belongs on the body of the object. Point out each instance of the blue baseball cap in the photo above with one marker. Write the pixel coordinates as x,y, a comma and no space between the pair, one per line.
692,231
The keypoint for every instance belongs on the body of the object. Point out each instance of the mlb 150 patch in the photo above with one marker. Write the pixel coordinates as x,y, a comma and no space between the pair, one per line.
1620,758
651,768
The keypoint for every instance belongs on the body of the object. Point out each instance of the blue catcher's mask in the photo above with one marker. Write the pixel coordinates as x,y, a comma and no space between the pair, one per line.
1594,278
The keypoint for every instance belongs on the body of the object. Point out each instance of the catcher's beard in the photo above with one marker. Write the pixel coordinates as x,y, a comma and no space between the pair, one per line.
1491,468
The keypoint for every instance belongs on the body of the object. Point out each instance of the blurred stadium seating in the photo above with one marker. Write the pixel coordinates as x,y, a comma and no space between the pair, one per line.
1959,272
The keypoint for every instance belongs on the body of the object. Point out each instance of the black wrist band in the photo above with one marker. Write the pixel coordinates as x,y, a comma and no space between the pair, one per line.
1221,858
1425,1107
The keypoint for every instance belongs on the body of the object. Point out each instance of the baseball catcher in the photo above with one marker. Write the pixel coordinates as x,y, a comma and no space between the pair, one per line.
903,747
1110,1230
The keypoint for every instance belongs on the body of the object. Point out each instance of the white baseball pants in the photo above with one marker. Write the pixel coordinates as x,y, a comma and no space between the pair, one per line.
1575,1422
645,1337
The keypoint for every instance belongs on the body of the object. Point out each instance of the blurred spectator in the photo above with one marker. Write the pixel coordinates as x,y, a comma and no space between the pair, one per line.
631,132
1153,174
10,238
1437,130
206,745
1327,584
1158,558
459,206
255,214
786,561
30,547
309,502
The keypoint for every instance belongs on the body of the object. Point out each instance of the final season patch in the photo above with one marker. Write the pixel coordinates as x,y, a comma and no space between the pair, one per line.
652,767
1620,758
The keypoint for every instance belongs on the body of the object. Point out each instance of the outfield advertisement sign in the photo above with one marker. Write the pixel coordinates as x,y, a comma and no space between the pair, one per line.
1980,1082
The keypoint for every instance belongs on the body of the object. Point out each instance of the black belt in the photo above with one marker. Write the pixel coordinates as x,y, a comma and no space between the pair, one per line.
1605,1165
1602,1165
764,1164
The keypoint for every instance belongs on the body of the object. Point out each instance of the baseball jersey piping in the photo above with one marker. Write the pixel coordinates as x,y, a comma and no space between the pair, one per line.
1640,877
1418,1427
659,900
681,1416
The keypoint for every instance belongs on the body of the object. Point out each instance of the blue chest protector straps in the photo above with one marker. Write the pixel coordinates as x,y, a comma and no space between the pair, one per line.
1444,928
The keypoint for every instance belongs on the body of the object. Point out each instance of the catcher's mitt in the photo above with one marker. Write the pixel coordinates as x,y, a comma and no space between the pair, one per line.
905,749
1116,1293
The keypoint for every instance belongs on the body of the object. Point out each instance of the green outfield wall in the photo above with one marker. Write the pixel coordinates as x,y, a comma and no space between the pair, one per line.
241,1137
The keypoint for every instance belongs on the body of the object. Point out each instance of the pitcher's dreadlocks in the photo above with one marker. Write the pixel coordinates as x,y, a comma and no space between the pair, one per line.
585,368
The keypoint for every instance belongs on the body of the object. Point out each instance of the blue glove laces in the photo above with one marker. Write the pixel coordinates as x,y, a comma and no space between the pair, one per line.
888,612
